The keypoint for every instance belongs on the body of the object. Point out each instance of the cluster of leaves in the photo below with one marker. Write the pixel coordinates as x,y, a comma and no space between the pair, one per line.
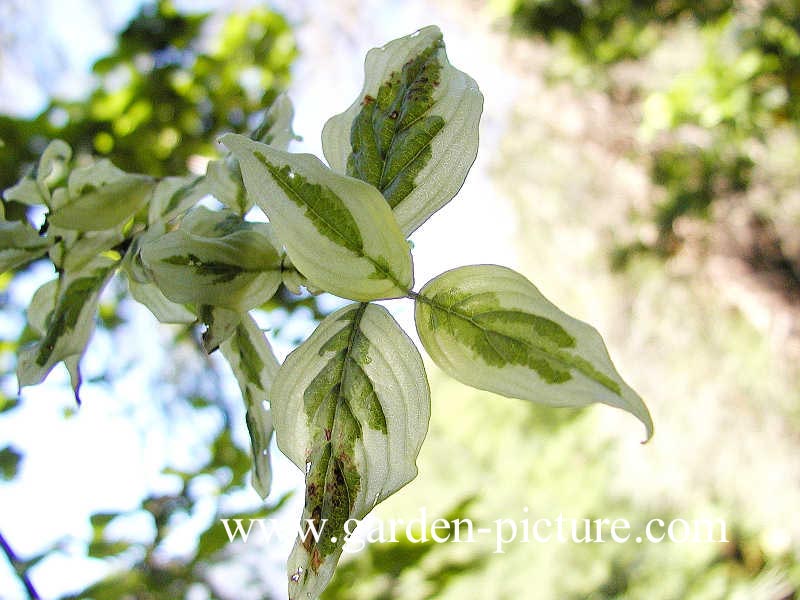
350,406
607,32
161,96
746,82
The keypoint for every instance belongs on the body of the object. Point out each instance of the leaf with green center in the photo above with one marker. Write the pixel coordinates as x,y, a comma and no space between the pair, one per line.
69,325
276,128
253,363
223,176
215,258
221,323
351,408
338,231
141,285
101,197
52,168
490,328
224,182
25,191
175,195
413,130
19,244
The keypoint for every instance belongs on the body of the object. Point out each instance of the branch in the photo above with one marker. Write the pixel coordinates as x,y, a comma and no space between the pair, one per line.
19,568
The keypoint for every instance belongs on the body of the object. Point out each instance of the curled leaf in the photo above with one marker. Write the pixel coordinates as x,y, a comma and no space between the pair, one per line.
413,130
490,328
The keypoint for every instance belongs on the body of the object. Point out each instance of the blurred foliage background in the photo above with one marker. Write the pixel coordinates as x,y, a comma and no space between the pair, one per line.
650,158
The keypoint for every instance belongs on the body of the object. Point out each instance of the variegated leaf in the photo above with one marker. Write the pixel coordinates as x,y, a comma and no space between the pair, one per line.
19,244
338,231
52,168
276,127
253,363
294,279
413,130
175,195
351,407
141,285
490,328
25,191
163,309
215,258
220,322
69,325
224,182
101,197
224,179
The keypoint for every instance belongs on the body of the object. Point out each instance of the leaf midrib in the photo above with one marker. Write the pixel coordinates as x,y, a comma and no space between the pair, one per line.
360,252
384,159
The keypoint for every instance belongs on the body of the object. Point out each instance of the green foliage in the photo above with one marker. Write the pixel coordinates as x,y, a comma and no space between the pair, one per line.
743,83
605,32
160,97
350,406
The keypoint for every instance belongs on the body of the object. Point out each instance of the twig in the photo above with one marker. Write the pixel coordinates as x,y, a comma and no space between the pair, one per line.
19,568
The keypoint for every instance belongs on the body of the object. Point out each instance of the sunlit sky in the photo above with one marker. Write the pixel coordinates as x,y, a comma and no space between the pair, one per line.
98,460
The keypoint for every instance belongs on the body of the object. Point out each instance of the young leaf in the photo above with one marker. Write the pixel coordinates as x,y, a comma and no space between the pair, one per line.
253,363
223,176
19,244
70,324
338,231
294,279
141,285
102,198
25,191
215,258
163,309
413,131
351,408
175,195
52,167
490,328
224,182
276,128
221,323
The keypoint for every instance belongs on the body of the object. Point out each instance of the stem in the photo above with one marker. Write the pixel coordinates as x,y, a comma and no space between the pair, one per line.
413,295
19,568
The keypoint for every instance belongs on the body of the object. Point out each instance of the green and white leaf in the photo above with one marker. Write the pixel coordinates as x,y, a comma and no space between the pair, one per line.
19,244
489,327
224,182
294,279
69,325
25,191
338,231
254,364
224,178
101,197
215,258
141,284
86,246
221,323
175,195
163,309
351,407
413,130
52,168
42,304
276,127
